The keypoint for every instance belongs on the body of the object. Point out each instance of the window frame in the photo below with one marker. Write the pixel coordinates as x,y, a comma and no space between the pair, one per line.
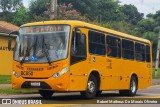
141,43
149,53
117,37
95,31
128,49
85,58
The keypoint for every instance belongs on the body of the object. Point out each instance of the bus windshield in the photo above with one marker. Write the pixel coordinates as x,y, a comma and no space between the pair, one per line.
42,44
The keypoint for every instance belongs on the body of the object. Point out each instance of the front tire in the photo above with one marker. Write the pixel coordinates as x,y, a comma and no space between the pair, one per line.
91,88
133,88
46,93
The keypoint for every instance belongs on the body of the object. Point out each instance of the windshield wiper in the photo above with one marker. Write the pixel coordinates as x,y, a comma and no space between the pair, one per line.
45,50
27,52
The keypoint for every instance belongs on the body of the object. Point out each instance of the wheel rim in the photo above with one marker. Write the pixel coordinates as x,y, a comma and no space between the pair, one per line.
91,86
133,86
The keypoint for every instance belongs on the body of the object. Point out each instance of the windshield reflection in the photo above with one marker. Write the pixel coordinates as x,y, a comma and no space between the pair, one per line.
42,47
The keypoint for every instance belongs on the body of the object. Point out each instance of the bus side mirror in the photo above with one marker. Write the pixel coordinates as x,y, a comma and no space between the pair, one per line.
13,33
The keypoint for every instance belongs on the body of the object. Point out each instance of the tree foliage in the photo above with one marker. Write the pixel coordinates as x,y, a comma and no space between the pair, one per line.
66,12
147,24
85,7
40,11
7,8
21,16
109,10
9,5
132,14
37,8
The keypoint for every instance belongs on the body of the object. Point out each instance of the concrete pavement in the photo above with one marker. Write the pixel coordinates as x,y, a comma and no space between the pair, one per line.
65,99
155,81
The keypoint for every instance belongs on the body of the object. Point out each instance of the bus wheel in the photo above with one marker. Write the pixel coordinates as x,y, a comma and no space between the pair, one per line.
133,88
46,93
91,88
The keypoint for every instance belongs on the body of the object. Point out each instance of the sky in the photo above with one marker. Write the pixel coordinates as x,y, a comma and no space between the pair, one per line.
144,6
26,3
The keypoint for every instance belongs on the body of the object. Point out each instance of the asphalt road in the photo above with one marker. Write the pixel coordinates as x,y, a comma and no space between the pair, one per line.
63,99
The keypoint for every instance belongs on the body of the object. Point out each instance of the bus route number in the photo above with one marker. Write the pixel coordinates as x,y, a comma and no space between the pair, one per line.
27,73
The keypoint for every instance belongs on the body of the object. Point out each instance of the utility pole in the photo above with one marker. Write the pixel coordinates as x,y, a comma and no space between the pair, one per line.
53,9
99,18
157,57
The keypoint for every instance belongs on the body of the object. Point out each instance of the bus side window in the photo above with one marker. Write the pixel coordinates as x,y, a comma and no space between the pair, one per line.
79,53
128,49
113,46
148,55
96,43
140,52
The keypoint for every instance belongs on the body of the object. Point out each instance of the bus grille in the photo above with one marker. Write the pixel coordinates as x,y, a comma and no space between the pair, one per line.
35,69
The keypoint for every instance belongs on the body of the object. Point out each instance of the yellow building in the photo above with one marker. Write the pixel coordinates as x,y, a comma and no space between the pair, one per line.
5,54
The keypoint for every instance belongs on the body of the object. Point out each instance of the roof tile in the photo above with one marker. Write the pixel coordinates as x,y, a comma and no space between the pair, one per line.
6,27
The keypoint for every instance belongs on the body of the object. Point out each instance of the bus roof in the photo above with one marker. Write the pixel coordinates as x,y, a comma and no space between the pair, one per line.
84,24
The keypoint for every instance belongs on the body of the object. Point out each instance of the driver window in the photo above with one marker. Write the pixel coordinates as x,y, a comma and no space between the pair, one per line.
79,43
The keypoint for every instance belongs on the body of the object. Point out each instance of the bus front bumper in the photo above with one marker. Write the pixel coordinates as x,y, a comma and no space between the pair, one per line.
56,84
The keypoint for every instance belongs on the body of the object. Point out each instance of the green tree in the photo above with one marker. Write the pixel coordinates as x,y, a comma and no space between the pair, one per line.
155,16
146,25
21,16
40,11
7,16
7,8
85,7
157,29
9,5
153,37
65,12
109,10
37,9
150,15
132,14
152,24
150,36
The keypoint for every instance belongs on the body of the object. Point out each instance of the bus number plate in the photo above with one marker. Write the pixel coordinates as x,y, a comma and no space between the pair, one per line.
35,84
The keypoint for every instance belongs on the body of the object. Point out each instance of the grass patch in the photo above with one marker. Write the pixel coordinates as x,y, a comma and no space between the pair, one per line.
12,91
5,79
153,74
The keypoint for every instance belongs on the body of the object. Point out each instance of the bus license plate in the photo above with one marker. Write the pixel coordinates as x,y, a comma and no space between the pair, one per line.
35,84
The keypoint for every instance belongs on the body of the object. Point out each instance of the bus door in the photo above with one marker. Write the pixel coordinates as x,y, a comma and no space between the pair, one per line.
78,57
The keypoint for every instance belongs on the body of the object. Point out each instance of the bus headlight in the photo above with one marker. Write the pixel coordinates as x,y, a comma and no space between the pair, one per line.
60,73
16,74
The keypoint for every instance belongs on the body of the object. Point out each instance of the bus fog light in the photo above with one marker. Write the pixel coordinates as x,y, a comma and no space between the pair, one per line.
60,73
16,74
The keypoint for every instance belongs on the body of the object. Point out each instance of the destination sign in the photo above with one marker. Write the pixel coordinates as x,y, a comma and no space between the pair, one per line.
48,28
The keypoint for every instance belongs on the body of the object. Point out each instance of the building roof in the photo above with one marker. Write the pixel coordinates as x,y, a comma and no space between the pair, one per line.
6,27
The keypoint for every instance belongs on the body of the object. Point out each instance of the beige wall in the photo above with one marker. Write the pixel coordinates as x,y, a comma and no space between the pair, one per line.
6,57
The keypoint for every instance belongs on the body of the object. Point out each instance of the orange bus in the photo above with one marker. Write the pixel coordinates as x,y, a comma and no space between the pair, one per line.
74,56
